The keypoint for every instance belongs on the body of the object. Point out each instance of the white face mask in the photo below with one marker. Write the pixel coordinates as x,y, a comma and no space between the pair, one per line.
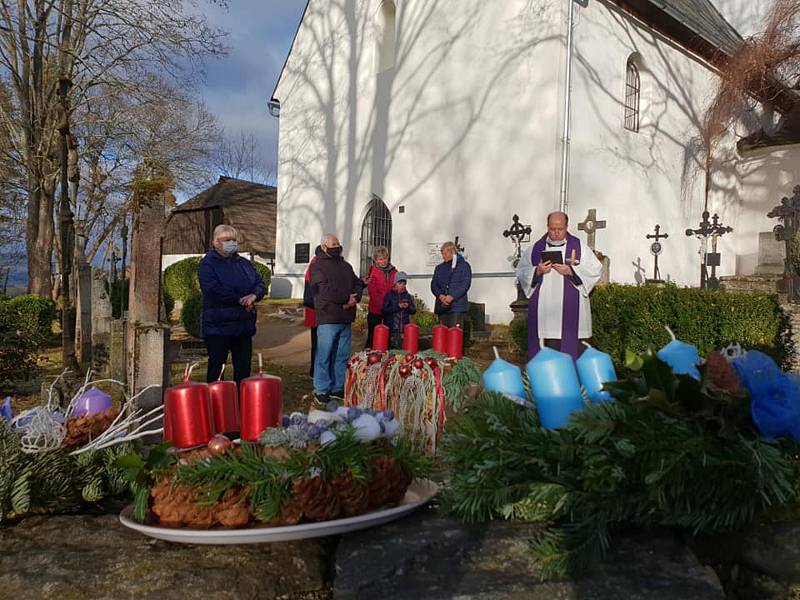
228,247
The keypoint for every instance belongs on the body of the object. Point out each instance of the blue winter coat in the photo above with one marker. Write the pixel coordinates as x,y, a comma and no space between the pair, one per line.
224,280
397,318
453,282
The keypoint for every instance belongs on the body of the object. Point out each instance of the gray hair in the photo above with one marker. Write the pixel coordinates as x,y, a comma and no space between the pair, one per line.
223,229
380,252
448,246
327,238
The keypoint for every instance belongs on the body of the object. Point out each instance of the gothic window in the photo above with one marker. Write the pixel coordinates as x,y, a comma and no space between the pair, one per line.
386,36
633,88
376,230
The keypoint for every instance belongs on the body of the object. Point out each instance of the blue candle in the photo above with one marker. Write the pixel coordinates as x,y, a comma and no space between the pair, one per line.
504,378
555,387
681,357
595,368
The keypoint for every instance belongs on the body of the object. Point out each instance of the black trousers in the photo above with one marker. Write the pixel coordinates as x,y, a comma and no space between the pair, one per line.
451,319
313,351
372,320
241,350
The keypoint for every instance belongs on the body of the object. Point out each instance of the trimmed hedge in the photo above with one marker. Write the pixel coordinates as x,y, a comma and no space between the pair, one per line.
425,320
191,315
180,278
21,335
264,271
633,317
33,314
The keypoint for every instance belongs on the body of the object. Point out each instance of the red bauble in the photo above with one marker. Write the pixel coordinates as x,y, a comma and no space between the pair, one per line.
405,370
419,363
431,361
374,358
218,445
409,357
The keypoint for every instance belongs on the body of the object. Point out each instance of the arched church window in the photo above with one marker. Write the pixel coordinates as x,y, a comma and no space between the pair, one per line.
633,90
376,230
386,36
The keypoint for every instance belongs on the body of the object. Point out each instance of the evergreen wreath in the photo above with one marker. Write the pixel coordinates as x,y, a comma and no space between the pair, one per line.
54,481
668,452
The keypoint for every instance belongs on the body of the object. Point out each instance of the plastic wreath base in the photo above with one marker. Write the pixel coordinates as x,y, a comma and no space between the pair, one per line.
419,493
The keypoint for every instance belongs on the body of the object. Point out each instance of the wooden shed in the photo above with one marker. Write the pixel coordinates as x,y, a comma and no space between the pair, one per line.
249,207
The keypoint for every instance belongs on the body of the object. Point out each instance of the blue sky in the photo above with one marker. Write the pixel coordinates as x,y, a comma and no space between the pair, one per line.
238,86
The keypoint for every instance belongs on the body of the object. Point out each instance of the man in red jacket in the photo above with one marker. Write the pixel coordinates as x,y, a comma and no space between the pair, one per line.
380,280
310,319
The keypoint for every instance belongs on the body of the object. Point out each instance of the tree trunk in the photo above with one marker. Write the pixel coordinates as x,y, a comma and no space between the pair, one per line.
39,236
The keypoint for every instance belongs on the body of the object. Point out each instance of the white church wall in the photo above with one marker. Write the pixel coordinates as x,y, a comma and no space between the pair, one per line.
654,176
460,134
464,130
764,176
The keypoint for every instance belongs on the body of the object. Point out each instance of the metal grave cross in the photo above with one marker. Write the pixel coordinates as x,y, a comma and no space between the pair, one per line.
519,234
788,212
590,225
655,249
709,229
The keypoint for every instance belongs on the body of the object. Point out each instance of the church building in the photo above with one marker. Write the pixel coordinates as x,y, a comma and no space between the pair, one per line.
406,123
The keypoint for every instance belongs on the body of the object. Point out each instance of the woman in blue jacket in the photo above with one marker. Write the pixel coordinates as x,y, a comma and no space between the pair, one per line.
451,280
231,286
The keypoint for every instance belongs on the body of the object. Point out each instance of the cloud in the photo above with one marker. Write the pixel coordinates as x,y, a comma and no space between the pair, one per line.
238,86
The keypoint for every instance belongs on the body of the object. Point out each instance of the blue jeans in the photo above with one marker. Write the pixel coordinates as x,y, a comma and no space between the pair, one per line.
333,350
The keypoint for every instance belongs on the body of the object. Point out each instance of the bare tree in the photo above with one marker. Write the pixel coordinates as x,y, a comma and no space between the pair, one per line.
761,69
118,44
239,156
118,134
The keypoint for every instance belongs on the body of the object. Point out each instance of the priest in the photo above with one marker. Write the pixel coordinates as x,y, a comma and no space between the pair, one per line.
557,274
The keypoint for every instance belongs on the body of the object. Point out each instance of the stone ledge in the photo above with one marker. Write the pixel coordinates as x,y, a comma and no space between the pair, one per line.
437,557
85,556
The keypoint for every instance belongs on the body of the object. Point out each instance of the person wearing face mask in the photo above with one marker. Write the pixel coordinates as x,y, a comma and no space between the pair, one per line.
336,290
231,286
557,273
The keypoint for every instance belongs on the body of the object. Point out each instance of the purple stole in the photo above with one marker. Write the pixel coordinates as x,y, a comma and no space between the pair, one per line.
570,303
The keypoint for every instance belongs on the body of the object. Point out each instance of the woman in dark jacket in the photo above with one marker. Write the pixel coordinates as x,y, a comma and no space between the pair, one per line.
231,286
452,279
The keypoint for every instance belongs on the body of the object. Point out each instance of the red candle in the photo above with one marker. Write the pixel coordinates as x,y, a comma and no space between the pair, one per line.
167,435
260,404
455,342
440,339
224,406
411,338
188,408
380,338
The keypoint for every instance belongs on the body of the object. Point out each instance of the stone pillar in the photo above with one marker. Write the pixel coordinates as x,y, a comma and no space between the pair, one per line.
605,274
83,315
101,322
149,365
147,337
118,351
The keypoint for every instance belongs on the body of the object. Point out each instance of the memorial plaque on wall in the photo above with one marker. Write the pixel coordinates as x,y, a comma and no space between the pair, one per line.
302,253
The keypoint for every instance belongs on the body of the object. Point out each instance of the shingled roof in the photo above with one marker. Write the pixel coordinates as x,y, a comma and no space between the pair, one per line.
248,206
695,24
227,191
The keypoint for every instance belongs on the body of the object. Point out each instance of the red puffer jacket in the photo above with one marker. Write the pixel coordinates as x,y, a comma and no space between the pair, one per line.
310,319
378,287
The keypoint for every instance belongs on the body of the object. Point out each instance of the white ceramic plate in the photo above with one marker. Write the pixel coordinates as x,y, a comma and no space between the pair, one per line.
419,492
